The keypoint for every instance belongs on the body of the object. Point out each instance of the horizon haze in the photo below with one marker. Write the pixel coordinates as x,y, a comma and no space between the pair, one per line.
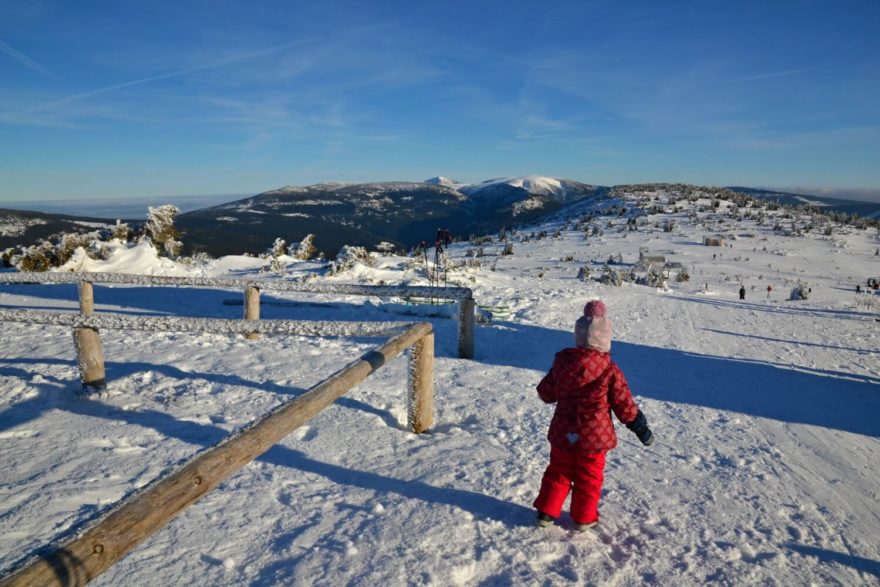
132,208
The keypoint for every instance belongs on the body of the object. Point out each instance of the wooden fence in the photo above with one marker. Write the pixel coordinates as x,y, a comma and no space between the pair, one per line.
95,549
252,287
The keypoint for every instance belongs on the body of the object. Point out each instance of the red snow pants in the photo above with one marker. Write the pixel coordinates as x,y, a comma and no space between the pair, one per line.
580,473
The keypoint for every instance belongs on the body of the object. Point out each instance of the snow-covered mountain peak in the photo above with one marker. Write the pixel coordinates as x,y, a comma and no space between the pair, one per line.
288,189
535,183
561,190
330,185
524,181
444,181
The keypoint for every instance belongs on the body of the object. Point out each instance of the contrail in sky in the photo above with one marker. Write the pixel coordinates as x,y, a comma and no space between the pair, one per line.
146,80
24,59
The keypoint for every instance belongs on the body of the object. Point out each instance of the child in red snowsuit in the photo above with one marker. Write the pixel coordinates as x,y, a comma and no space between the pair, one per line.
586,386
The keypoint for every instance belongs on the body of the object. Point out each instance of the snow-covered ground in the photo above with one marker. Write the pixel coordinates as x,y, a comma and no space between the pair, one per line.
765,414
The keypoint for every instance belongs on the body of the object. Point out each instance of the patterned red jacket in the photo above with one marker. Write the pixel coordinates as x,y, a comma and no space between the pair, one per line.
586,386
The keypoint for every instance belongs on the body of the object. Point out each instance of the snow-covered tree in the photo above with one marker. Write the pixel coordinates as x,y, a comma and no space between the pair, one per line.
160,229
655,276
278,248
386,247
611,276
277,265
39,257
800,292
70,242
120,232
304,249
348,256
6,257
276,255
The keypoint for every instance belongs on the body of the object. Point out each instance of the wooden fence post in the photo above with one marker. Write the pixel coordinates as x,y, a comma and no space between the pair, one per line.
420,380
87,342
252,308
466,328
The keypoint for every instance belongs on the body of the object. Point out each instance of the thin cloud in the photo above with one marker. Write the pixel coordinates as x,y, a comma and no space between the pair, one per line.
146,80
855,194
867,134
752,78
25,60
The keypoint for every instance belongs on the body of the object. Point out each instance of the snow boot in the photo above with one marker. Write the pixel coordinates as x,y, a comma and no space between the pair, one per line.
544,520
584,527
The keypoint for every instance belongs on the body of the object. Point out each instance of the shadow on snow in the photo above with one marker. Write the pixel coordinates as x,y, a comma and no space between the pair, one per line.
782,306
54,394
227,304
799,395
796,342
864,565
823,398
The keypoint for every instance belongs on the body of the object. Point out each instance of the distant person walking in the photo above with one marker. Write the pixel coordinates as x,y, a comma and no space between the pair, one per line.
742,292
858,288
769,290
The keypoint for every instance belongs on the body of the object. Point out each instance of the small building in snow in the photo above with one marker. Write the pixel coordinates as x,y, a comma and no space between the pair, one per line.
646,260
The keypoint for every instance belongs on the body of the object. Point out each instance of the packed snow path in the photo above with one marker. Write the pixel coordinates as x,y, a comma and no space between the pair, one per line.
763,471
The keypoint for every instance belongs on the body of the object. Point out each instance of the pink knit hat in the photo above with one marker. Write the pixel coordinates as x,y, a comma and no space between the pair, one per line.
595,308
593,329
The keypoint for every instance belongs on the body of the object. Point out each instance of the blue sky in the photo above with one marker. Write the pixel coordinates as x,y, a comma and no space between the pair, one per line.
125,99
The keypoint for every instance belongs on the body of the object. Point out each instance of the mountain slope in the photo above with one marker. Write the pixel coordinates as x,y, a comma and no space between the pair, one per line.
24,228
403,213
338,214
866,209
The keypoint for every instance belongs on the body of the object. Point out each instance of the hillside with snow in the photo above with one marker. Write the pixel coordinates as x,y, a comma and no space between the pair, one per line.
562,190
366,214
767,444
24,227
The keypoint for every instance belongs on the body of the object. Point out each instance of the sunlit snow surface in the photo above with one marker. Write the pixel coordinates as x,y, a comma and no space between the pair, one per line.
764,469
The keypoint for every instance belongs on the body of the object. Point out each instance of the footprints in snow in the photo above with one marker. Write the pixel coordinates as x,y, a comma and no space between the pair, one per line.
18,434
305,433
120,445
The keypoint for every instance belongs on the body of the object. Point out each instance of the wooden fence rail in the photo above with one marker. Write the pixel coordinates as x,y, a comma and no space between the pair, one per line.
462,295
95,549
90,354
217,325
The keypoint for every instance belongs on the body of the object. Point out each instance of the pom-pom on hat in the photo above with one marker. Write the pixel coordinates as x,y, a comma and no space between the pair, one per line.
593,329
595,308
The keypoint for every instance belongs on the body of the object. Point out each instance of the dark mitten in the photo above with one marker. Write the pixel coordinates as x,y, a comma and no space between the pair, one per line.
640,427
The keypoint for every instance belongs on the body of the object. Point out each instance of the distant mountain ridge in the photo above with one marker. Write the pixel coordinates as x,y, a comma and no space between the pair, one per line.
24,227
366,214
867,209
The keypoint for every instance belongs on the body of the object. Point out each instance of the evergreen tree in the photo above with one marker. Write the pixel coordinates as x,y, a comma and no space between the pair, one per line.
160,229
305,249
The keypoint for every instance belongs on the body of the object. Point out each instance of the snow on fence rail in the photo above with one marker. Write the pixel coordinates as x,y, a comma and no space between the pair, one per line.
462,295
126,525
216,325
